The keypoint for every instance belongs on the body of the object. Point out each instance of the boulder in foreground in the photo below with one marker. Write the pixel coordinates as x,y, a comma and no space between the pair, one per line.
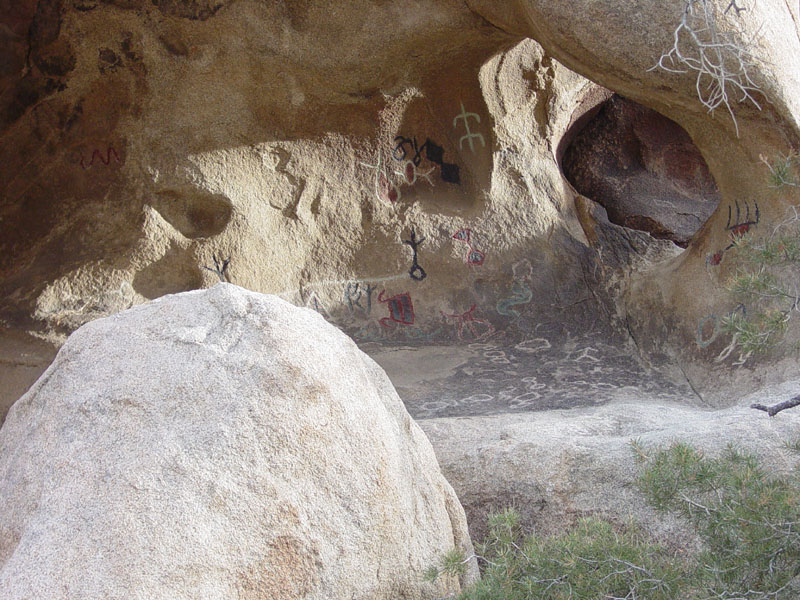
219,444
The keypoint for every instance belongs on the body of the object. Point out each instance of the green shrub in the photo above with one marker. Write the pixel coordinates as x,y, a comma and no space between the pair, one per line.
766,282
747,519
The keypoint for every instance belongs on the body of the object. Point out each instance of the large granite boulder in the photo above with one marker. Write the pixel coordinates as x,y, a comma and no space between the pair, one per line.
219,444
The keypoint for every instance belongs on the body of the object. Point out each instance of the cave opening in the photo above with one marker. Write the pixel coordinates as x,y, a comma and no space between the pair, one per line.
643,168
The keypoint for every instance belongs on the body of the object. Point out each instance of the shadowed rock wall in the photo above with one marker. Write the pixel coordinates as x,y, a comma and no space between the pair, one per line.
644,170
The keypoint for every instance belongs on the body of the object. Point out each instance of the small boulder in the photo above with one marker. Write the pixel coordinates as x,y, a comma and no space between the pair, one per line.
219,444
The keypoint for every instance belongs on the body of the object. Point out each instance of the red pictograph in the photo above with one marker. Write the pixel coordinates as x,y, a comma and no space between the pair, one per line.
474,256
401,309
467,319
97,155
737,226
386,189
411,173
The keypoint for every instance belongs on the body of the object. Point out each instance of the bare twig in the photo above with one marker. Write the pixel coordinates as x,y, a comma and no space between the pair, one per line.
733,6
722,65
220,268
776,408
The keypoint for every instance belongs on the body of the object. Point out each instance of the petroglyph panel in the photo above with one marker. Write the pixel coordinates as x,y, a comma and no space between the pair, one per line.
535,374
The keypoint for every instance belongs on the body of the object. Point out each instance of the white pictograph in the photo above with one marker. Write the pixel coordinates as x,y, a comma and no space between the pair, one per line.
385,190
477,399
434,406
533,346
410,173
497,357
469,136
586,354
525,400
481,346
532,384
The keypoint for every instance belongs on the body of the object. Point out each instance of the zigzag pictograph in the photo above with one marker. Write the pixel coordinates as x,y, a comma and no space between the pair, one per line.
96,154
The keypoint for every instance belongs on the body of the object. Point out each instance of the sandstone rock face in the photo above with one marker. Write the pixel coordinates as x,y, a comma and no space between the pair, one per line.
423,205
306,171
617,46
644,170
397,183
219,444
557,466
